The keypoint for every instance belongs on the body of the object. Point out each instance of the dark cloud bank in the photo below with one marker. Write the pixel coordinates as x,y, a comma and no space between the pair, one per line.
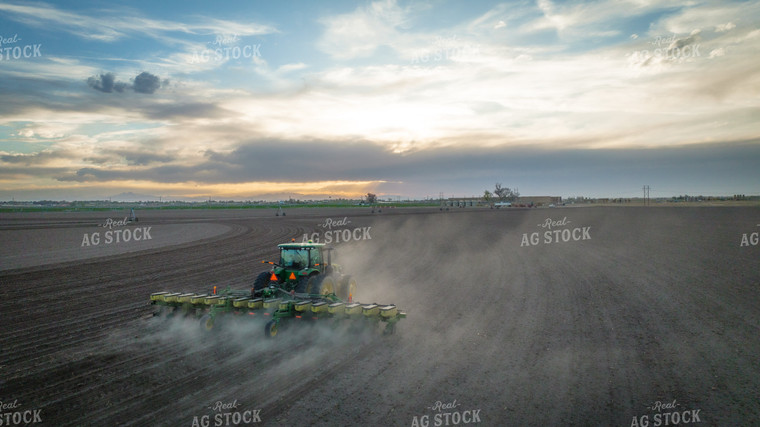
144,82
691,169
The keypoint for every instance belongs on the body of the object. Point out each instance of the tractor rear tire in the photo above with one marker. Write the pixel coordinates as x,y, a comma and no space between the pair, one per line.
347,288
262,280
270,329
321,285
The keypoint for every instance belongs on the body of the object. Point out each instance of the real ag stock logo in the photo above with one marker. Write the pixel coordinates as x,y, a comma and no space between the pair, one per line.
338,235
117,235
16,50
555,232
225,47
447,414
666,415
750,239
226,414
670,48
18,417
445,49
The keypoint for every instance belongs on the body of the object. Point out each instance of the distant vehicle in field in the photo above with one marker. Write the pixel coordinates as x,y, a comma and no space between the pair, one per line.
504,204
132,216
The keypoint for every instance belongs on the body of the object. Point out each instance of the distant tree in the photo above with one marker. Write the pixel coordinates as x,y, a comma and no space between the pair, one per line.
505,193
487,196
371,198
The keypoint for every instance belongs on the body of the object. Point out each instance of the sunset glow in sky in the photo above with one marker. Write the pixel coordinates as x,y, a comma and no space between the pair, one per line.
269,100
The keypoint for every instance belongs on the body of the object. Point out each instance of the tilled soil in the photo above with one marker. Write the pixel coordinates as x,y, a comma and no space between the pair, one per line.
635,314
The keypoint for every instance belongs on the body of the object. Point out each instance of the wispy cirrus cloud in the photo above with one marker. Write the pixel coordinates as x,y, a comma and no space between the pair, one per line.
111,24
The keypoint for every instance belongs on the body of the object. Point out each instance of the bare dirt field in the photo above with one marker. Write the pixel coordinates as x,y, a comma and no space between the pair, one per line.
525,317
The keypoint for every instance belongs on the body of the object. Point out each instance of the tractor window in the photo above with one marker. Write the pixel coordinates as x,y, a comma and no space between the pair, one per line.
294,258
316,257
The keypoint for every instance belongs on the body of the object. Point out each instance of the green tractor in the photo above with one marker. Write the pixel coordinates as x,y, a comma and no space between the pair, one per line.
306,268
303,285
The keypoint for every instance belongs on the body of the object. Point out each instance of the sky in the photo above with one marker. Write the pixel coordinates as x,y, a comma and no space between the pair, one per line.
250,100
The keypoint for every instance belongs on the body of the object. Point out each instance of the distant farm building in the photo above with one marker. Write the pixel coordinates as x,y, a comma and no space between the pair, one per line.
539,200
458,202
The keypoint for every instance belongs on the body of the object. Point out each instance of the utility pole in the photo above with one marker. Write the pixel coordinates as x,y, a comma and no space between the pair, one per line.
646,195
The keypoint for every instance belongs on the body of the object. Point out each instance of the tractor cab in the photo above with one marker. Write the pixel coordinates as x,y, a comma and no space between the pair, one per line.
299,256
299,265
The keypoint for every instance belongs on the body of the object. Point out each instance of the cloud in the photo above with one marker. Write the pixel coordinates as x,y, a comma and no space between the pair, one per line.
682,42
39,158
106,83
145,82
584,20
722,28
692,168
25,174
184,110
111,25
139,156
717,52
360,33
